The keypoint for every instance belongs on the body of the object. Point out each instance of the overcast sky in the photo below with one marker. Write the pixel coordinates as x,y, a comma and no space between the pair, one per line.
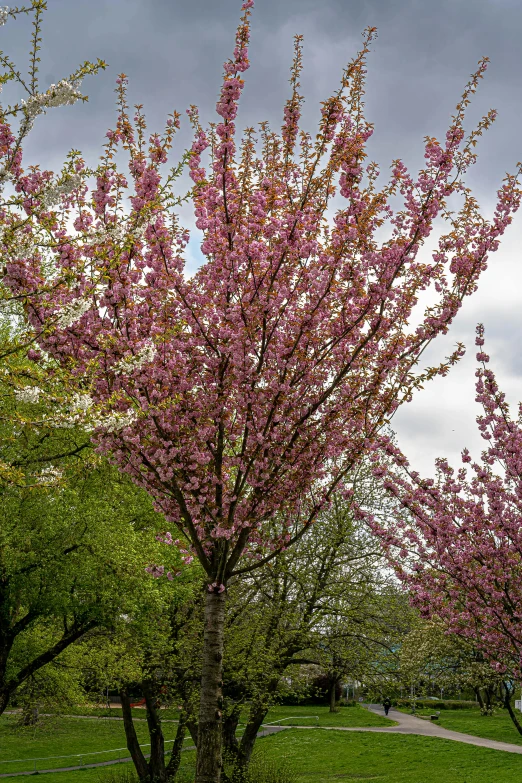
173,50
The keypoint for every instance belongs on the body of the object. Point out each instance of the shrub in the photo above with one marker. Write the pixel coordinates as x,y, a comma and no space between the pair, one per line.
438,705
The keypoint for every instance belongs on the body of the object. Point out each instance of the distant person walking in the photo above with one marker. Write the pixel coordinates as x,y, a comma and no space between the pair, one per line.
386,704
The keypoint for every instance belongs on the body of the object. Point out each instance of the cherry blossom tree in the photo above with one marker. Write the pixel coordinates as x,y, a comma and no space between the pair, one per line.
241,398
456,541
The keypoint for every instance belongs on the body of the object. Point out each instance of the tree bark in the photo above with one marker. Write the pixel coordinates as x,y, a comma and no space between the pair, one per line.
210,741
230,723
157,770
248,740
479,698
133,745
333,694
4,700
192,726
507,704
177,747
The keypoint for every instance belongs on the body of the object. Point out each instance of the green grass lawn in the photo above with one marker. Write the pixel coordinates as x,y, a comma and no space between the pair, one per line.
168,713
496,727
315,755
305,716
65,737
325,757
70,736
329,757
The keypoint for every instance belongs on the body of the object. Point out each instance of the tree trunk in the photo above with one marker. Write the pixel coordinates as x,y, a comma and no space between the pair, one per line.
333,695
177,747
210,741
248,740
133,745
158,773
479,698
4,700
507,704
192,726
29,716
230,743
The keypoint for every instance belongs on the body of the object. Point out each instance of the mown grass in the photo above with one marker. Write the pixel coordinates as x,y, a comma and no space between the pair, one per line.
325,757
62,736
496,727
346,717
167,713
330,757
315,755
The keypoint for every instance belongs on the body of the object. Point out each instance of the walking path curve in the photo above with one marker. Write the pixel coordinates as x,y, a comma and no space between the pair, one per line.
409,724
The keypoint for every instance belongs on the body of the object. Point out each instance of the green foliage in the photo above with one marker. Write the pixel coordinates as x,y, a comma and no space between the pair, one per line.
75,539
429,654
425,704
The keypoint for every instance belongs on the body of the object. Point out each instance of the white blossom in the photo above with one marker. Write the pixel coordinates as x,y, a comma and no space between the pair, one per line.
49,475
117,421
62,94
29,394
73,312
81,403
54,194
145,355
4,13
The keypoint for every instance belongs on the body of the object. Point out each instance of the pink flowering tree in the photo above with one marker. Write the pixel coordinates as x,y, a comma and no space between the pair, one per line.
241,398
456,541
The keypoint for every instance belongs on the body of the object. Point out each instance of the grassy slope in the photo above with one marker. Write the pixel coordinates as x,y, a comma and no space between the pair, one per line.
347,716
497,727
65,736
327,757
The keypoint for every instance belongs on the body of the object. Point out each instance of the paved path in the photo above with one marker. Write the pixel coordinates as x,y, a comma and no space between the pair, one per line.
409,724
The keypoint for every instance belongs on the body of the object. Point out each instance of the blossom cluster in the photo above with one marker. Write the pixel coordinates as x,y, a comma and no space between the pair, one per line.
29,394
72,312
49,475
456,541
285,354
64,93
144,355
54,194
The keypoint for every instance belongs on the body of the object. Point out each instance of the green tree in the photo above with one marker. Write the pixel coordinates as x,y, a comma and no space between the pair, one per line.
74,542
150,652
326,602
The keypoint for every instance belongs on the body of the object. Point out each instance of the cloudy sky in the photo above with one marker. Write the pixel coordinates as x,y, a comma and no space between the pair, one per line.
173,50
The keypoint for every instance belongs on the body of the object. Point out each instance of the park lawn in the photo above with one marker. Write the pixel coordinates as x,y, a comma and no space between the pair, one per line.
168,713
496,727
305,716
65,737
328,756
347,716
